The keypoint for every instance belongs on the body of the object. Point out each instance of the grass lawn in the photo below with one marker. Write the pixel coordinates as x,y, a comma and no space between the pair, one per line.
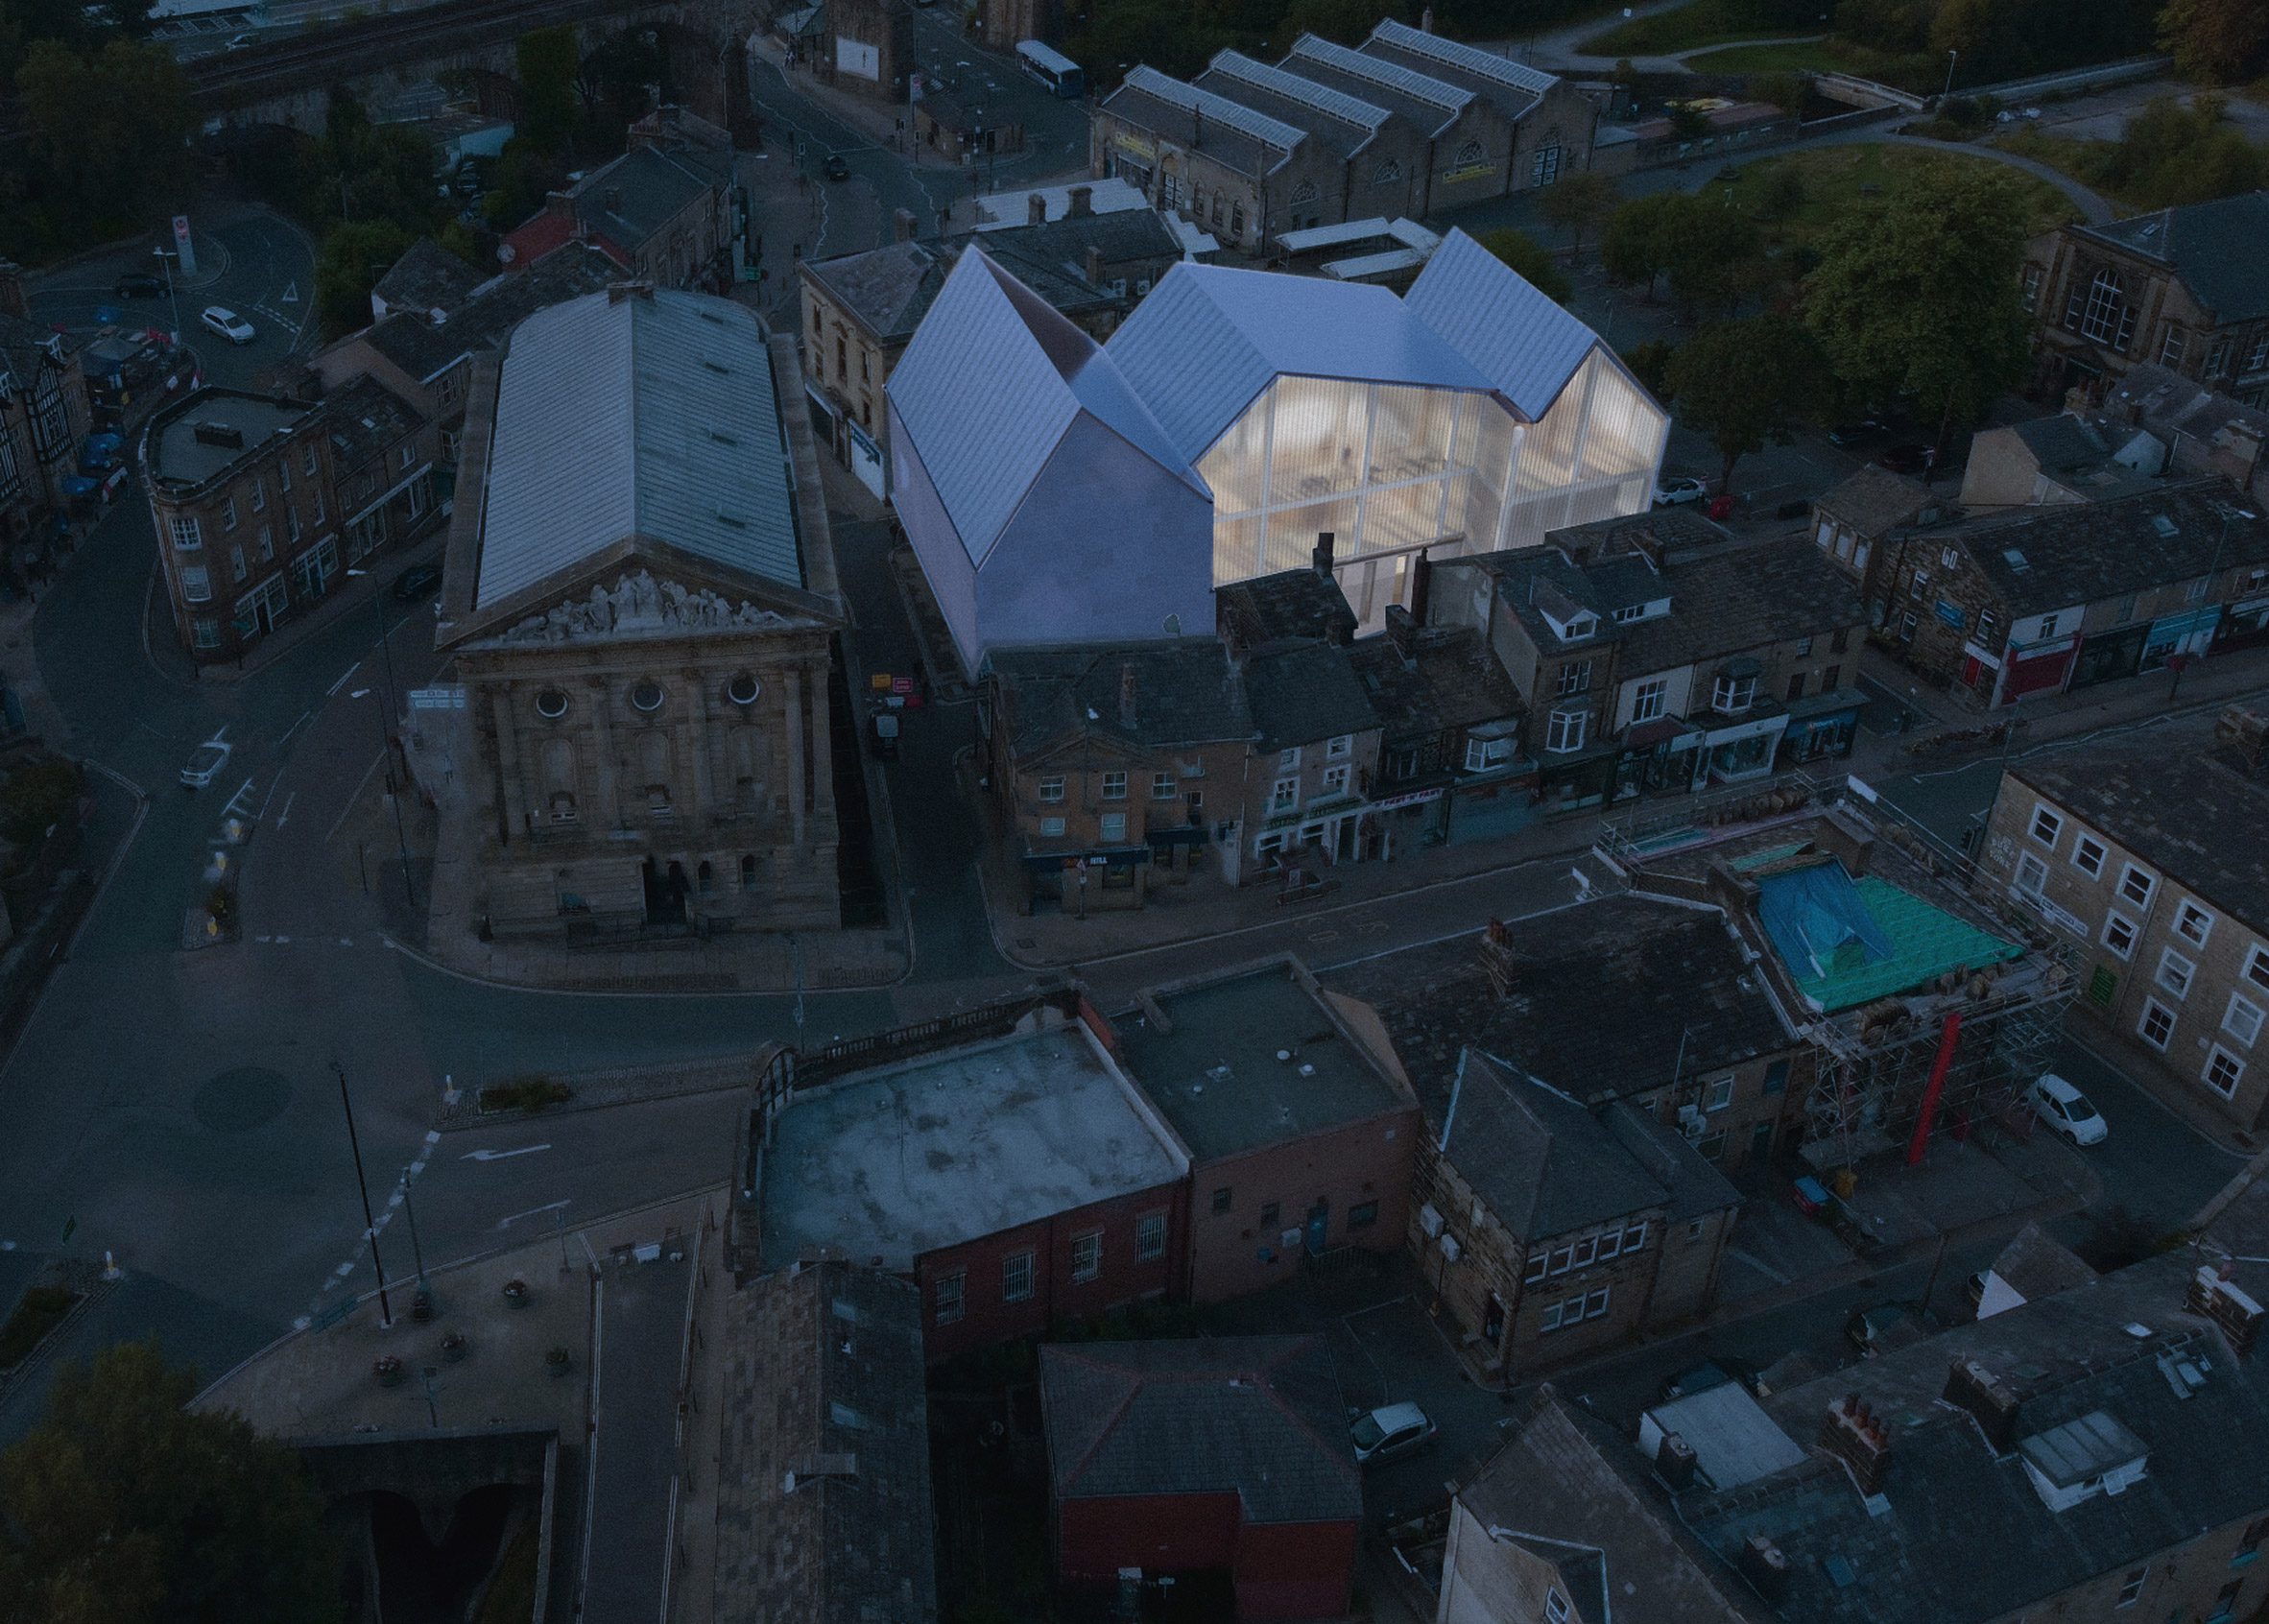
1704,22
1818,56
1835,178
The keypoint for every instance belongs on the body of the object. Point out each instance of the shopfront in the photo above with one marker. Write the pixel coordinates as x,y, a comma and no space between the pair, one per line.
1821,726
1088,882
2186,633
2038,668
2246,623
2109,657
1745,750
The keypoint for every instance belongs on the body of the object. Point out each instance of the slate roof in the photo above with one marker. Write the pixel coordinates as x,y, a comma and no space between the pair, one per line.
24,344
889,288
1512,85
2063,443
366,419
426,277
2166,793
1304,693
1874,500
1450,679
2034,1266
1432,105
1185,692
1291,605
1962,1535
425,350
1563,1477
1588,1011
1735,599
638,194
641,415
2169,404
1334,120
824,1373
2087,553
2214,247
1230,133
1261,1416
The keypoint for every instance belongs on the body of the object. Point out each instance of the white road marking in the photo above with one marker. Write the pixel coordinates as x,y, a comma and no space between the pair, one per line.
285,816
359,693
506,1155
531,1212
342,682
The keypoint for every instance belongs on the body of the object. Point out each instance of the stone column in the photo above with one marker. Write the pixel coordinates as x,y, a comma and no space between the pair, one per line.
793,698
822,745
601,696
697,746
513,808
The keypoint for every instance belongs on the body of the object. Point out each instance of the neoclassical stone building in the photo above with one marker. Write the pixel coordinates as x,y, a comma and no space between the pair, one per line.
641,598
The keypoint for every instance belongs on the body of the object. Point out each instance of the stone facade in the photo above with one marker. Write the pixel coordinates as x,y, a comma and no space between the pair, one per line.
868,48
43,415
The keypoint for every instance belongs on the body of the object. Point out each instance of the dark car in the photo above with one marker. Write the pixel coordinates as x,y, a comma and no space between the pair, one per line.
416,582
836,168
1908,459
139,284
1718,1373
1853,433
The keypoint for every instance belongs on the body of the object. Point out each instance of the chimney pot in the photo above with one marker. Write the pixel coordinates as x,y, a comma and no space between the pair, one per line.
1766,1568
1081,202
1036,211
1676,1462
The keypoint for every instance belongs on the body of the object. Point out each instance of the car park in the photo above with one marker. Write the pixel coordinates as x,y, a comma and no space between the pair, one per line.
227,323
209,758
1390,1431
2067,1110
139,284
1677,493
416,582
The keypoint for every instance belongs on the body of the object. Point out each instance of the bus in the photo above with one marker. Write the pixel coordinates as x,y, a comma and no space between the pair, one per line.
1051,68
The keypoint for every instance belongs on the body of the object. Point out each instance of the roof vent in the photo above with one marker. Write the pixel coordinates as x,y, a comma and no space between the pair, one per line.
225,435
2164,526
717,367
722,437
736,522
2017,562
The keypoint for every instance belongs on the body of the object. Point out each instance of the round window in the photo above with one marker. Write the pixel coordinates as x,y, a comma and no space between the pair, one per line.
742,689
647,695
551,704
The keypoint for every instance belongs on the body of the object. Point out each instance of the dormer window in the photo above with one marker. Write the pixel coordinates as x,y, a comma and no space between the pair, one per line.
2081,1459
1630,612
1580,628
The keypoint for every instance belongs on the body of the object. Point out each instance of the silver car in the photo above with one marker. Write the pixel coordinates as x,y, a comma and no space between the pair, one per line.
1388,1431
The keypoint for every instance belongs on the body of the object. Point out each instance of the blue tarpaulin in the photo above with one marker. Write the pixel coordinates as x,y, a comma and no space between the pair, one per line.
1816,918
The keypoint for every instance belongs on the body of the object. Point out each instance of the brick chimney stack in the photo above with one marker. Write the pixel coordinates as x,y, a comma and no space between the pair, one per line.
2228,1305
1765,1566
1081,204
1971,1387
1498,959
1036,211
1853,1433
902,226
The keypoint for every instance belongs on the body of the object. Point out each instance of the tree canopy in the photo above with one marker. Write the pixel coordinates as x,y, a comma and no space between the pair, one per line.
1745,383
108,123
1577,204
1914,294
121,1507
1532,259
2222,41
1712,255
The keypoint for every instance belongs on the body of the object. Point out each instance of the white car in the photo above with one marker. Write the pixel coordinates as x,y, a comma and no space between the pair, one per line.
2065,1108
210,757
1388,1431
227,323
1678,492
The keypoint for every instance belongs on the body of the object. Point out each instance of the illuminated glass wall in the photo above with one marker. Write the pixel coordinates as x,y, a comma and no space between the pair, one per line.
1391,469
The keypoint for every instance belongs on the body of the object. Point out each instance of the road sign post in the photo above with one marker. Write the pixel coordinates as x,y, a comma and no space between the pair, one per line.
183,247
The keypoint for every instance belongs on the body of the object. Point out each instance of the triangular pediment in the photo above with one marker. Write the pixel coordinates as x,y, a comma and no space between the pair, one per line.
639,588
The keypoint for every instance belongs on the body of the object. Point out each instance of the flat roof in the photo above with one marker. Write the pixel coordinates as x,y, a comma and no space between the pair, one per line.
1732,1438
891,1165
179,455
1250,1059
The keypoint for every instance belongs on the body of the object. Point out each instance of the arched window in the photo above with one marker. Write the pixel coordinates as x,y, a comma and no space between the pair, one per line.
1387,173
1305,192
2108,317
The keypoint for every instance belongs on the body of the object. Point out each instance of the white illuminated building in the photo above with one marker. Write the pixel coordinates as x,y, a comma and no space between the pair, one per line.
1469,416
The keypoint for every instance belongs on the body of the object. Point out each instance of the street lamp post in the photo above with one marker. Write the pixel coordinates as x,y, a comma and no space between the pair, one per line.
1951,58
2213,569
410,1212
401,839
370,1224
173,298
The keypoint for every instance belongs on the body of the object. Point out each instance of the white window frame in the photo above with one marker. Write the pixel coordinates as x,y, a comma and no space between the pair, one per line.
1052,827
1090,1245
260,496
1150,1238
1650,699
2047,826
1007,1274
229,514
1610,1245
1556,1608
187,532
1163,786
1733,696
1288,758
1112,828
2256,967
2205,1073
2189,914
1551,1319
1341,746
2122,950
2131,1587
2032,874
1538,1262
1720,1095
2176,974
1566,728
1635,1235
2242,1019
2142,1026
1114,785
1564,1258
1335,779
1051,789
1284,795
949,1307
2087,847
1596,1303
2138,885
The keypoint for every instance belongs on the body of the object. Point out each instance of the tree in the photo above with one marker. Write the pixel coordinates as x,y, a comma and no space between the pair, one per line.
544,62
1713,253
354,255
1649,361
1577,203
122,1506
2222,41
1633,249
1915,294
1532,259
1787,92
1744,383
106,143
38,795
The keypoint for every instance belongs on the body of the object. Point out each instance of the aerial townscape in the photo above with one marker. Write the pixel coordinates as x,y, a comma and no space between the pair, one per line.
1090,811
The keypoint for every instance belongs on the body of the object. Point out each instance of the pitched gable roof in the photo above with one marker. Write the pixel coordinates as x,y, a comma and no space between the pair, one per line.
2214,247
1521,341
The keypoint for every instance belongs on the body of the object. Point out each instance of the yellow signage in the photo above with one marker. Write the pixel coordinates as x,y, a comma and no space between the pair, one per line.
1468,172
1136,146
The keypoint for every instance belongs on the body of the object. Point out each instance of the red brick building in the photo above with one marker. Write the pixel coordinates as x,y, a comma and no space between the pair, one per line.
1269,1507
1300,1140
1018,1182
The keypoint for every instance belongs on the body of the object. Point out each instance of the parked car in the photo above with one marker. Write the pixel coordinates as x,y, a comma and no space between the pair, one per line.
1885,1327
885,731
1388,1431
1718,1373
208,759
227,323
1678,492
416,582
836,168
1908,459
2065,1108
1853,433
139,284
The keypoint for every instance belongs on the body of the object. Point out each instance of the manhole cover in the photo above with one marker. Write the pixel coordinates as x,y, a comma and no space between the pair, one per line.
242,1099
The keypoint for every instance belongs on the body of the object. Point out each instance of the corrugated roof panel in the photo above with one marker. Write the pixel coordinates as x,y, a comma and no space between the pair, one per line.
649,415
1333,103
1208,339
1189,97
1453,54
1394,76
1526,344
